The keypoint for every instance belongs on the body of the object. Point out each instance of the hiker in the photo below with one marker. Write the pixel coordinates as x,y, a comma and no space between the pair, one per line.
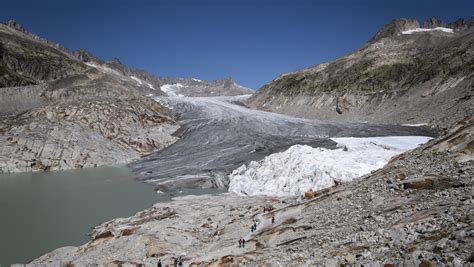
159,263
240,243
273,219
243,243
251,228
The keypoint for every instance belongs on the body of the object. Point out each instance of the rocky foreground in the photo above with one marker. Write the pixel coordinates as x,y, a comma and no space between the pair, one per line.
418,209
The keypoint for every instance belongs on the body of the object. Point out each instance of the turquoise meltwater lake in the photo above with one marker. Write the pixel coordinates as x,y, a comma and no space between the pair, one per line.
42,211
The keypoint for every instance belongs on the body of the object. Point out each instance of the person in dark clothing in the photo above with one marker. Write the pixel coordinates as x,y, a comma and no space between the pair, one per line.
243,243
158,264
240,243
251,228
273,219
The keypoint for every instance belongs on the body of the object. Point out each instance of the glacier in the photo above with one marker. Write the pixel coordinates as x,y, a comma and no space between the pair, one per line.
302,168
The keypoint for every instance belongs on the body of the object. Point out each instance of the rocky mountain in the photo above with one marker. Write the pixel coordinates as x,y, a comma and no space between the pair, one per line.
405,74
174,86
58,113
171,86
61,109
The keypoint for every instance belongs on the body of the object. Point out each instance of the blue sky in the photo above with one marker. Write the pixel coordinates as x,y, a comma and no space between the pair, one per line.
252,41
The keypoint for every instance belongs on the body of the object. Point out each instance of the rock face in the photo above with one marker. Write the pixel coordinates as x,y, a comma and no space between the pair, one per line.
376,221
395,27
433,22
86,134
402,75
60,113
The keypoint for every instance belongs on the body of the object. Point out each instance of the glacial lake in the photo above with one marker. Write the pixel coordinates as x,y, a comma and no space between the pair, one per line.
42,211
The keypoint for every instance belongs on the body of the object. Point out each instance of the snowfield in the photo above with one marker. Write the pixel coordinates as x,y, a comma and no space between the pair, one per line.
172,89
441,29
301,167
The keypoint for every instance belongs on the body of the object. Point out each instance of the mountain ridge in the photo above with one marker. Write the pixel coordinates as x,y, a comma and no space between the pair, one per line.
84,56
400,76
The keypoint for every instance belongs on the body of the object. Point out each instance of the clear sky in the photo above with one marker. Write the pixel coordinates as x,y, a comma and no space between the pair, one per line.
252,41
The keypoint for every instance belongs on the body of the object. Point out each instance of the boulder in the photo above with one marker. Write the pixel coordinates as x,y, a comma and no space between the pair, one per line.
430,182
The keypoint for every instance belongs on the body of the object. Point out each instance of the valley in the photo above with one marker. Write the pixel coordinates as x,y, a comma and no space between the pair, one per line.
366,159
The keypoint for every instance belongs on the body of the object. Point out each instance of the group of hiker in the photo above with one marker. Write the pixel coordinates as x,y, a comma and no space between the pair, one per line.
267,208
253,227
241,243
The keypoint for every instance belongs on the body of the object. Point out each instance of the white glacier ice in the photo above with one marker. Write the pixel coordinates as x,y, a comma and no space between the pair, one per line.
301,167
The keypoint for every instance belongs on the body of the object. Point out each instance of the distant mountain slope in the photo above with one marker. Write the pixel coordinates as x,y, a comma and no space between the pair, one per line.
171,86
195,87
404,74
56,112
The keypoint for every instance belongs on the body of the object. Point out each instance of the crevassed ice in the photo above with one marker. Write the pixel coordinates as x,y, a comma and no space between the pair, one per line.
301,167
428,30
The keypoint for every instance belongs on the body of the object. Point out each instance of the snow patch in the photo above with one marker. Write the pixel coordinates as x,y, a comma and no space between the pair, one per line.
428,30
415,124
172,89
301,167
136,79
140,82
196,80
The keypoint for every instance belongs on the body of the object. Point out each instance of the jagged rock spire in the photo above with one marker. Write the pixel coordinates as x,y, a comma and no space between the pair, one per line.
433,22
14,25
395,27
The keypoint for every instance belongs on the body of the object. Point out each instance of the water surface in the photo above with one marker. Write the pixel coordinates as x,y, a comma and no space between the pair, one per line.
43,211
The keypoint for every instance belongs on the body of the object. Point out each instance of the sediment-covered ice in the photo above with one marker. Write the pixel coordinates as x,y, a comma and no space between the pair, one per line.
301,167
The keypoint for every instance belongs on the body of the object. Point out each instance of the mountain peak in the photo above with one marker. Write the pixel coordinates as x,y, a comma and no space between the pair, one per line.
85,56
395,27
398,26
433,22
15,25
